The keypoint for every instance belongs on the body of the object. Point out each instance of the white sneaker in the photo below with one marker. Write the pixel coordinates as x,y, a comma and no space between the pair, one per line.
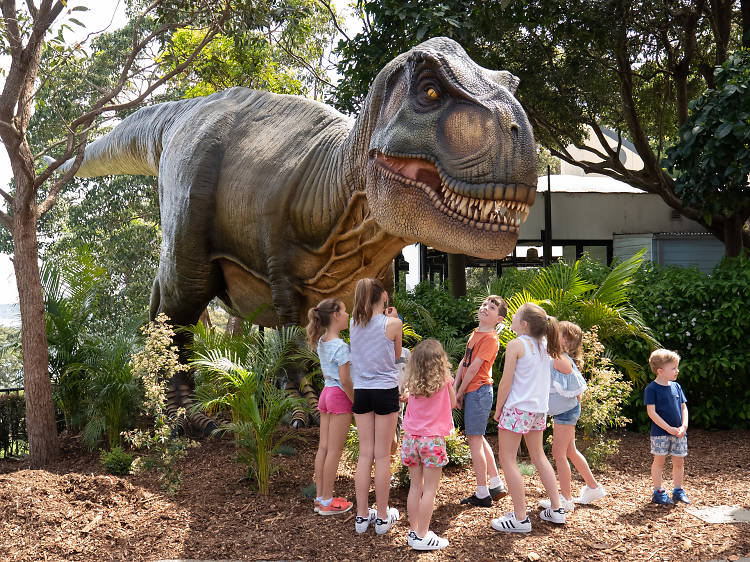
589,495
567,505
509,524
383,526
410,538
553,515
430,542
362,523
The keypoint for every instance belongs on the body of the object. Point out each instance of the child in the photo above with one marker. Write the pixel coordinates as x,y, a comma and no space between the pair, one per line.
335,402
522,401
427,421
566,387
375,335
667,407
473,386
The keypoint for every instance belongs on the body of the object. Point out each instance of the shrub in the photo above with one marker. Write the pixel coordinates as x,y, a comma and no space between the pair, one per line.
13,439
704,319
116,461
154,365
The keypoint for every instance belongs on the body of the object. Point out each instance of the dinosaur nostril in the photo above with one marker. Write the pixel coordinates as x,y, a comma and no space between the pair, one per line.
514,129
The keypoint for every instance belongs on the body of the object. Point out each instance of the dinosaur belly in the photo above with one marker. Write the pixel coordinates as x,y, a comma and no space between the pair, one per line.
247,291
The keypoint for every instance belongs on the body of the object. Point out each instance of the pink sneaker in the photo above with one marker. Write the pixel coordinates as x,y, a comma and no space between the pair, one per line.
337,505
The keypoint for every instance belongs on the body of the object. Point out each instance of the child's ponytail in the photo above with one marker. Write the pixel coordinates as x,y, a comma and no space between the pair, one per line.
367,292
554,345
319,318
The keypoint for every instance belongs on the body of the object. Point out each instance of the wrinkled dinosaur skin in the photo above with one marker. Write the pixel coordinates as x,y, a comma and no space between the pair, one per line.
279,199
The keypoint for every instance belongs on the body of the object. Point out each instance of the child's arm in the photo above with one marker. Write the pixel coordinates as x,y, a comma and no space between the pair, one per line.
683,428
472,370
394,330
451,391
346,380
459,374
658,420
512,353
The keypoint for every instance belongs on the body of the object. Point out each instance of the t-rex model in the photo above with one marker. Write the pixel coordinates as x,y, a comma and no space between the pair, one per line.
279,199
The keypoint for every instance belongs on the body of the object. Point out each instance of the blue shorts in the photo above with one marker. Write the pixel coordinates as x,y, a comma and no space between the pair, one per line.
570,417
477,408
663,445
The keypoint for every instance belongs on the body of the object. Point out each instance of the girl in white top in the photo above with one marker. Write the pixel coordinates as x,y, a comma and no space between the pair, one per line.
521,410
375,336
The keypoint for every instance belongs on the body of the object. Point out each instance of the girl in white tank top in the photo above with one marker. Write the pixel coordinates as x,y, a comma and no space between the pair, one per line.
521,411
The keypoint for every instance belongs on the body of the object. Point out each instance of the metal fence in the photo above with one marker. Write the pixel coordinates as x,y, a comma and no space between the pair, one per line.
13,439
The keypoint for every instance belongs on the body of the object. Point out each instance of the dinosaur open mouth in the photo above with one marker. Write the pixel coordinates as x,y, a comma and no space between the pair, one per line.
495,207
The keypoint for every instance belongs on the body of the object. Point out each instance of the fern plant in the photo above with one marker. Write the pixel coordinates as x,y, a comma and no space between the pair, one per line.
240,375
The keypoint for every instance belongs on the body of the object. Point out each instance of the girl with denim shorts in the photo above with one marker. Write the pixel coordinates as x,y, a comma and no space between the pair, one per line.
566,387
522,401
325,323
427,421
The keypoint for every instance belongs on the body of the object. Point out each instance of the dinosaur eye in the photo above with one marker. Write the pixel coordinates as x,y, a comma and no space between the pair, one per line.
432,94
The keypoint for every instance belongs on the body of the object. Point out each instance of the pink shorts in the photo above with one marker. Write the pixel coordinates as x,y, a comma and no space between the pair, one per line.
427,451
333,400
521,421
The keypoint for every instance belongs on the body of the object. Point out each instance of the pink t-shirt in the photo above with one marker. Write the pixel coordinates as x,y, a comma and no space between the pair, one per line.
429,416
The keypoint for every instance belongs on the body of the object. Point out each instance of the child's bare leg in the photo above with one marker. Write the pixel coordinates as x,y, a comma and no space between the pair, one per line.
320,456
562,437
416,478
427,503
385,427
656,469
678,471
366,432
489,459
546,472
478,461
582,466
338,428
507,448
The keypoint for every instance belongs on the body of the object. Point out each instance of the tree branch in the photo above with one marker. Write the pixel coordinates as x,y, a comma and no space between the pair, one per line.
334,19
5,220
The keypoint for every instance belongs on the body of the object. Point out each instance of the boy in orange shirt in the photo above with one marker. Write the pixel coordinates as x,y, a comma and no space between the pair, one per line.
474,391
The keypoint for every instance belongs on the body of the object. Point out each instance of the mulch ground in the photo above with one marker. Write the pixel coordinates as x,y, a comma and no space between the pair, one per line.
74,511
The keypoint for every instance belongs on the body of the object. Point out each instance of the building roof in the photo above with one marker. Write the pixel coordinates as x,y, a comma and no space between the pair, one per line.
565,183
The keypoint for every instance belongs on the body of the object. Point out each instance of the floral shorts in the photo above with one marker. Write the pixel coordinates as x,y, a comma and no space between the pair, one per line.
521,421
427,451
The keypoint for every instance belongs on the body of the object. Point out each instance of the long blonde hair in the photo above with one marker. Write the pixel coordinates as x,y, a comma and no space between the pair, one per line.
367,292
571,341
319,318
427,368
541,325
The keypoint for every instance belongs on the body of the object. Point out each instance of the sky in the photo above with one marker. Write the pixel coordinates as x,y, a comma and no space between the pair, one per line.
102,15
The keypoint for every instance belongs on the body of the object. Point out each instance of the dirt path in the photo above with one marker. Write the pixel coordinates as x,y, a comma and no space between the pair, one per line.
76,512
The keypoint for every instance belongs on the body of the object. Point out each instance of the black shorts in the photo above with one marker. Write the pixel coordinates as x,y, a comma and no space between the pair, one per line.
382,401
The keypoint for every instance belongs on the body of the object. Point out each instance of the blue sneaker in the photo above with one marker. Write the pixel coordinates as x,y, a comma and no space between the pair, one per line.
679,495
661,497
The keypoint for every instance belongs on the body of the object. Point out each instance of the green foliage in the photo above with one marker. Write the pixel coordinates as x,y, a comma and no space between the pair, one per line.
113,392
13,438
11,366
527,469
703,318
116,461
602,403
598,453
351,446
239,376
711,160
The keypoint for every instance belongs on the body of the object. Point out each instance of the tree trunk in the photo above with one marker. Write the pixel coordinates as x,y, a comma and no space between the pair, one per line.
733,226
40,411
457,274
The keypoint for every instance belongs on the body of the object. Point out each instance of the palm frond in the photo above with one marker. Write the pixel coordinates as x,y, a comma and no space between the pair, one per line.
614,289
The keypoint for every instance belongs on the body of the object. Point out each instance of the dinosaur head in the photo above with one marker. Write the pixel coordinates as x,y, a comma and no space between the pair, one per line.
451,160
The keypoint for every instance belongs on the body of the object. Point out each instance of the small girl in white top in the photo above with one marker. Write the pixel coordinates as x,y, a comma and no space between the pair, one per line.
325,322
566,387
522,400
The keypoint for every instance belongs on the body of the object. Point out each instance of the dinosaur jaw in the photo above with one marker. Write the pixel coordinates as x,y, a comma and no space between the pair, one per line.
457,212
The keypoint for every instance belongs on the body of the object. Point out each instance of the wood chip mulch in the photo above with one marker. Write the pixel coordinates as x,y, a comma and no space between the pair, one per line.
74,511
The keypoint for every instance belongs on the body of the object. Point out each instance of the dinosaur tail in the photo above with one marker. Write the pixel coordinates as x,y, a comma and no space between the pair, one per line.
135,145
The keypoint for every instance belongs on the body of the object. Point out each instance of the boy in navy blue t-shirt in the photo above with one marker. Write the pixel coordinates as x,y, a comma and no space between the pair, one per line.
667,407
